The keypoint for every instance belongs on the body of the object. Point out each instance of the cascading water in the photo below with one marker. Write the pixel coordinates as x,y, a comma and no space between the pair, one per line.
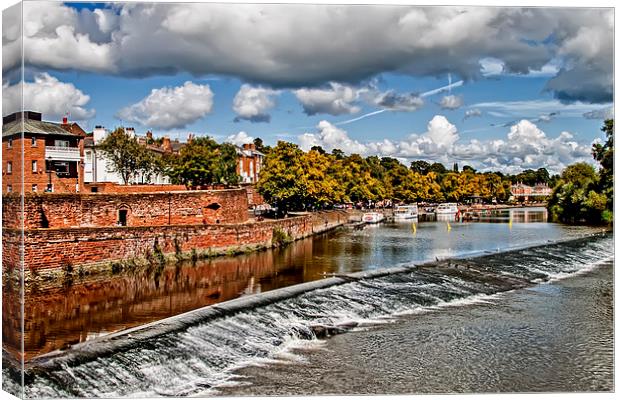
197,360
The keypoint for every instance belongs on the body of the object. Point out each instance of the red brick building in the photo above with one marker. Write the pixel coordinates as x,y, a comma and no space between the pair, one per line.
250,162
50,153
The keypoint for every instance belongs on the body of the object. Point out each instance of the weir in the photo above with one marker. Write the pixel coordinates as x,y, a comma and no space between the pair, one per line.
190,353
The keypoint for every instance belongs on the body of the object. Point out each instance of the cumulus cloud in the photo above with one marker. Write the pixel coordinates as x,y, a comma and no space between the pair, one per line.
47,95
253,103
451,102
335,99
473,112
524,146
168,108
601,113
198,38
240,138
331,137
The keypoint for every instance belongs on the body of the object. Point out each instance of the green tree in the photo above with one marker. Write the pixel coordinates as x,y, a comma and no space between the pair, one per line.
125,155
604,154
282,179
420,166
438,168
197,163
226,169
575,198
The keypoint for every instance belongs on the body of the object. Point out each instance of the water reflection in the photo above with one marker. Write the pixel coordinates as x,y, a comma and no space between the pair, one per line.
58,317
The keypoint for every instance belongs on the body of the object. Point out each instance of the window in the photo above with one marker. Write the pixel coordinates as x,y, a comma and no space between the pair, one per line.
88,156
34,188
122,217
33,142
34,166
9,143
61,168
9,167
61,143
9,188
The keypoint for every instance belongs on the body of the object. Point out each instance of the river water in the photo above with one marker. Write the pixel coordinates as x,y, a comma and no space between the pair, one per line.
212,357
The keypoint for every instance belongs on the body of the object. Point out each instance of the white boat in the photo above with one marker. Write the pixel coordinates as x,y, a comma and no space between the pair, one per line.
372,217
409,211
446,208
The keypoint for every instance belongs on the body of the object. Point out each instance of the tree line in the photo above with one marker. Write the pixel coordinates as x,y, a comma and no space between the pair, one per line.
293,180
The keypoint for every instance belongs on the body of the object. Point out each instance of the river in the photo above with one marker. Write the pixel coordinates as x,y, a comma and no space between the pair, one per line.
207,358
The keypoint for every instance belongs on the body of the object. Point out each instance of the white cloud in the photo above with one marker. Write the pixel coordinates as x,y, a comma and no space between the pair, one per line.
169,108
533,108
140,39
240,138
331,137
525,146
47,95
253,103
472,112
336,99
601,113
451,102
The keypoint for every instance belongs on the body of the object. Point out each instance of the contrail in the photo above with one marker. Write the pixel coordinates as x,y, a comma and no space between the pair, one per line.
425,94
441,89
361,117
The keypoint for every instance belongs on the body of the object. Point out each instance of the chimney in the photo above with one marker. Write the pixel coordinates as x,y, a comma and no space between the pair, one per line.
65,120
190,137
166,144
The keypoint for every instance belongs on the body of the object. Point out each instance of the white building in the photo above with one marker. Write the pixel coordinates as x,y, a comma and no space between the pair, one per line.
97,168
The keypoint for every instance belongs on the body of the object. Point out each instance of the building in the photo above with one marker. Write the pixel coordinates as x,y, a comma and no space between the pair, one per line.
250,162
97,168
51,154
524,193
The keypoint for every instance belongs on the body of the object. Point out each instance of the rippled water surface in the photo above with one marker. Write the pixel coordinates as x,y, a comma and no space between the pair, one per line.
209,356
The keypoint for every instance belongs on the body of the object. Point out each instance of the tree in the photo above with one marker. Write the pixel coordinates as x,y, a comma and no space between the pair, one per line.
260,146
420,166
125,155
455,167
226,170
575,199
282,179
197,163
438,168
604,154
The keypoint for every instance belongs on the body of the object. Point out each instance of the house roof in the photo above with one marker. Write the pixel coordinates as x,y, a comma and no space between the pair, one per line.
34,126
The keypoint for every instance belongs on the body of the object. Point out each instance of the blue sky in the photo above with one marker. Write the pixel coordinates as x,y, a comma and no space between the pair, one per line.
537,88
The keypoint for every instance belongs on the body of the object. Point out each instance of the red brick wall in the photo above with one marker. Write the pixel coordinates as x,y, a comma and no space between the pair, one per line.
143,209
55,248
110,187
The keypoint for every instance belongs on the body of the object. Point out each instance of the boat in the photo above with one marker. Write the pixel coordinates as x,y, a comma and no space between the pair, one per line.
372,217
408,211
446,208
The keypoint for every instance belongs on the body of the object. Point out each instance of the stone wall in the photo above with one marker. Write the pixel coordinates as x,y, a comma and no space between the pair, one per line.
111,187
58,248
52,210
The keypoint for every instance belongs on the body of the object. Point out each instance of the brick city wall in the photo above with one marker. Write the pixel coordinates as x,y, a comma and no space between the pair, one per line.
52,210
110,187
57,248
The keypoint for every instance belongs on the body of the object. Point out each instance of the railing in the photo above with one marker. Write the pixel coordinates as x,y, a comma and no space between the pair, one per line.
62,153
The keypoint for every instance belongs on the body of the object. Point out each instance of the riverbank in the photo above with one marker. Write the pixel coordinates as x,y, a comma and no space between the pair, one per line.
64,256
555,337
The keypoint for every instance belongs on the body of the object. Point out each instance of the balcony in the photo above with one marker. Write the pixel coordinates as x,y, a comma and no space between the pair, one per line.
61,153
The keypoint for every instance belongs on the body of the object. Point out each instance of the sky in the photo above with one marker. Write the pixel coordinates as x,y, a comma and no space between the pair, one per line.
495,88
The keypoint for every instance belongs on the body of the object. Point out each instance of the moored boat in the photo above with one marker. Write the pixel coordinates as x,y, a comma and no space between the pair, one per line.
372,217
408,211
447,208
